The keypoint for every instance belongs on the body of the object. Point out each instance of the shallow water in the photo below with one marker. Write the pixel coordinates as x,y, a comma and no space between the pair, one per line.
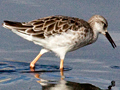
97,64
15,74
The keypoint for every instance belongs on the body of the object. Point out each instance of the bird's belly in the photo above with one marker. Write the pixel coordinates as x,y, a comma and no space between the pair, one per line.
66,41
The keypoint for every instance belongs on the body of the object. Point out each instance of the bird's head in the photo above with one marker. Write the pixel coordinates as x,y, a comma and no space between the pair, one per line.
99,25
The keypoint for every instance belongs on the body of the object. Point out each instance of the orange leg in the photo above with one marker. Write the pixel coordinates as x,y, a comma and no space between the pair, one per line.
61,64
32,64
61,68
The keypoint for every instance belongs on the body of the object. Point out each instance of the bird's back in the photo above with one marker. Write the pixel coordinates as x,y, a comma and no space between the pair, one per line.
53,26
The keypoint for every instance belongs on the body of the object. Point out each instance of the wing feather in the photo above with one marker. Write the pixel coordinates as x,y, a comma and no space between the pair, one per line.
47,26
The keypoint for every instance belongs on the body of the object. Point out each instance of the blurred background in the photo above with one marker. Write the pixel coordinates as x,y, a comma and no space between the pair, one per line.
97,64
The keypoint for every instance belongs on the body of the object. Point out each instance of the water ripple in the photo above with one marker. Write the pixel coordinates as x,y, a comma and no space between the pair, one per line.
115,67
12,71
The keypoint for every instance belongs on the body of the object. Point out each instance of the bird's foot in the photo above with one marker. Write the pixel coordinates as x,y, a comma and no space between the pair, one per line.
32,67
62,73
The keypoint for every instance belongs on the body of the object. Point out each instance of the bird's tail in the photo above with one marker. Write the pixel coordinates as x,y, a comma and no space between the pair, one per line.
15,25
24,30
18,28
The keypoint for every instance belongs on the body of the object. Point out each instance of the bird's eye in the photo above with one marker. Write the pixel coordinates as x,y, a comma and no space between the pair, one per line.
104,26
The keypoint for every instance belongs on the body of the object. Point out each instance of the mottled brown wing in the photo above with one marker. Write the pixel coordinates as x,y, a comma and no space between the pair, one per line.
53,25
48,26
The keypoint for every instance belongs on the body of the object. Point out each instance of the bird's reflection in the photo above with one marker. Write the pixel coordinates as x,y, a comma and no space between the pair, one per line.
62,84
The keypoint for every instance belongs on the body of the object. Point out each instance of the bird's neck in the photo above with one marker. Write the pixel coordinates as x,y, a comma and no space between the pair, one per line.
95,32
95,36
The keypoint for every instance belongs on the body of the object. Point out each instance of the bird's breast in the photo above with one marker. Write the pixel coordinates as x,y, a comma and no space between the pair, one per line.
69,41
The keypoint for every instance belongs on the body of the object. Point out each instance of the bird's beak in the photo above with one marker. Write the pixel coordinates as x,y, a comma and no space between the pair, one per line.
110,39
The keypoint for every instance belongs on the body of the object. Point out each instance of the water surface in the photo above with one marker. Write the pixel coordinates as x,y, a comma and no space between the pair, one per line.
97,64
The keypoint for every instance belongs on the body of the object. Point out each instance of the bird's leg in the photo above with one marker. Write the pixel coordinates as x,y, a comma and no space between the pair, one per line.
61,64
61,69
32,64
62,74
